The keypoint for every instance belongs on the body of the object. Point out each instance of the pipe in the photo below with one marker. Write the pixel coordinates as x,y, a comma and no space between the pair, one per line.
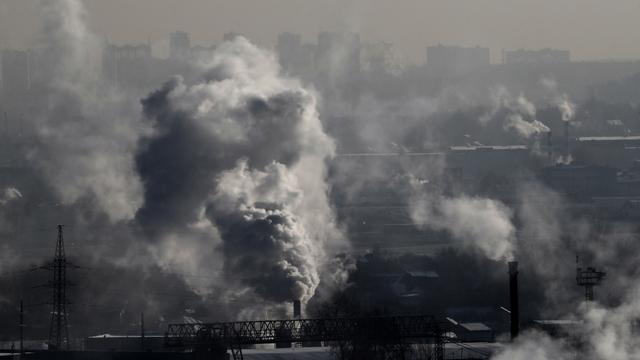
297,309
513,299
549,148
566,142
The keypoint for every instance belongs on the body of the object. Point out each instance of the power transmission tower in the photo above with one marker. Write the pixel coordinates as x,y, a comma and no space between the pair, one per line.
59,328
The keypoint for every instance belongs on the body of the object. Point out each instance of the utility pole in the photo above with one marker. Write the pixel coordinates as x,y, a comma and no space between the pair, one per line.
21,329
142,331
59,328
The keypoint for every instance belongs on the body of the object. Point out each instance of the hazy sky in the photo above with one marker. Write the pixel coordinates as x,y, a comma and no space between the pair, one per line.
591,29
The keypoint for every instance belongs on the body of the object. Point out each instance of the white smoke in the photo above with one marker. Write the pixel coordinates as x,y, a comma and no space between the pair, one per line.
566,107
515,113
87,132
549,238
481,224
9,194
600,333
534,346
8,258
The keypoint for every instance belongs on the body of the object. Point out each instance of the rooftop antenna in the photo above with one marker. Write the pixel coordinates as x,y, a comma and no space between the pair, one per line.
588,278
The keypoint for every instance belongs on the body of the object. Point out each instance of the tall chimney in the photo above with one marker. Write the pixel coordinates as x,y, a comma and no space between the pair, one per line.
513,299
297,309
566,141
550,148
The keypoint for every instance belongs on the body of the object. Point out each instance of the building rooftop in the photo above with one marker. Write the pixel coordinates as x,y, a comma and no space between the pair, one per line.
423,274
561,322
390,154
112,336
609,138
489,148
475,326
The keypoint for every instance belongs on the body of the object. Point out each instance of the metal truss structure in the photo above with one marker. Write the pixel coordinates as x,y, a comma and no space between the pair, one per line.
381,331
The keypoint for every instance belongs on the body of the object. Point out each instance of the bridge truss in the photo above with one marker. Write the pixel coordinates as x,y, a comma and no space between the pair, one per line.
381,331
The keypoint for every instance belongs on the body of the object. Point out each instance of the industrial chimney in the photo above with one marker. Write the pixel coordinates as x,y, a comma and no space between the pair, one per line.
566,142
549,148
297,309
513,299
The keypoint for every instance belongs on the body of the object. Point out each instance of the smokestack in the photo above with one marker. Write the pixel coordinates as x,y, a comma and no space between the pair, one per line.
566,141
297,309
549,148
513,299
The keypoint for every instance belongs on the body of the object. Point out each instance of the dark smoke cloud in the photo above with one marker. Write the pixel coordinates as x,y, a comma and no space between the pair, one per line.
139,186
241,153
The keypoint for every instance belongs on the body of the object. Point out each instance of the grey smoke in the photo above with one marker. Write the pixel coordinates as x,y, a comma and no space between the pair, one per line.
242,152
140,183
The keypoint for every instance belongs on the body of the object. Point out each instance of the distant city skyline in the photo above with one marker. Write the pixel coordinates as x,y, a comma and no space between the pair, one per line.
590,29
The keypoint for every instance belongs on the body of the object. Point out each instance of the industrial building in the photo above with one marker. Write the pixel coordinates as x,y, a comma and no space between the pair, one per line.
580,181
109,342
619,152
472,163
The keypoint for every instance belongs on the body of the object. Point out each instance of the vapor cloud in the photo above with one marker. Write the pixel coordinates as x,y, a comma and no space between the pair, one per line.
243,150
515,113
87,132
481,224
566,107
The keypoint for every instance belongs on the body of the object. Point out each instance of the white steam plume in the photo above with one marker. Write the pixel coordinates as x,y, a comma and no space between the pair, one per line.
86,131
548,240
481,224
562,102
515,113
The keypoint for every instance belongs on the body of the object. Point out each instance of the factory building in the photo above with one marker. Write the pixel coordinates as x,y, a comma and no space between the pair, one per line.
619,152
109,342
580,181
492,170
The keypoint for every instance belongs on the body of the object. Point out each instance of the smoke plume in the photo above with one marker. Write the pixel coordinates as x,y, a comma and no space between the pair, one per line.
561,101
242,151
481,224
86,132
515,113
